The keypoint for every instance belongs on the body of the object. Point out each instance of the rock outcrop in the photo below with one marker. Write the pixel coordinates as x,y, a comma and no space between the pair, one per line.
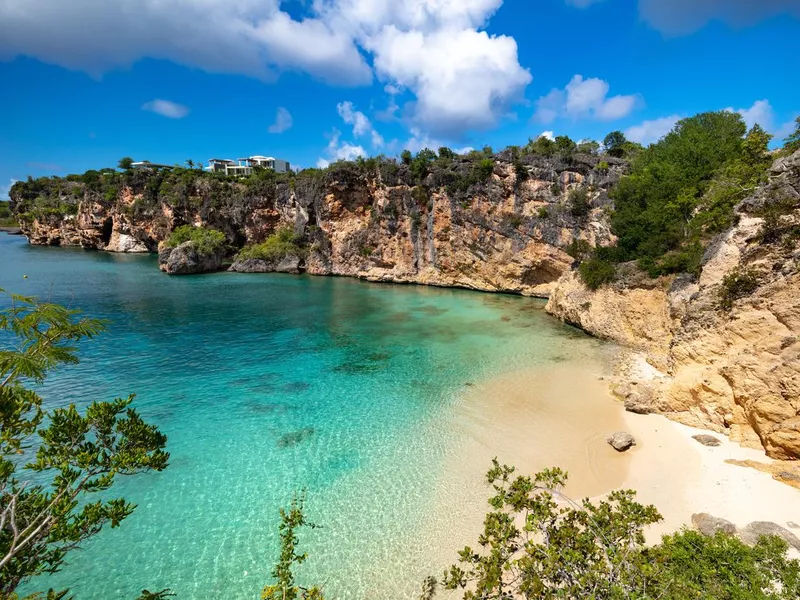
733,369
187,259
287,264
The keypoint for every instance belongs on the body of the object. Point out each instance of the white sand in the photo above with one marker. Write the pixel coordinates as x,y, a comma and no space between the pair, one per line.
561,416
680,477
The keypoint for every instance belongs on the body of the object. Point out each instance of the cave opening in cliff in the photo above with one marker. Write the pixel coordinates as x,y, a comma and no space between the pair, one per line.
105,234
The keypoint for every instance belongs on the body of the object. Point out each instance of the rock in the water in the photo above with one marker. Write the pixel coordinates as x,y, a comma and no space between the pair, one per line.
287,264
707,440
708,524
186,260
755,530
621,441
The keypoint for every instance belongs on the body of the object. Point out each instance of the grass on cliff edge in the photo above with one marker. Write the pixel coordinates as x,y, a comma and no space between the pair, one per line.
207,241
279,245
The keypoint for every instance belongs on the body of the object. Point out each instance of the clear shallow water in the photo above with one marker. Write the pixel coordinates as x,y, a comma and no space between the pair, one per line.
266,384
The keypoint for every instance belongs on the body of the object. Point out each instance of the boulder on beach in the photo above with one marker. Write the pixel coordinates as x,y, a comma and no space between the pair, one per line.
707,440
621,441
752,532
709,525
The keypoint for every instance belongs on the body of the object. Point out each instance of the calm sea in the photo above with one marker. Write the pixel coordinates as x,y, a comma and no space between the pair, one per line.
266,385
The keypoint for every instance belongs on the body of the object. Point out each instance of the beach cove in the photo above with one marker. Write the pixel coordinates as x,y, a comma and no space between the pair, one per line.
386,403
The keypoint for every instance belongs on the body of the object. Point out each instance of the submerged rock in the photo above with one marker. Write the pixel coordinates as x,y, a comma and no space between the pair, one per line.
288,440
287,264
707,440
186,259
708,524
750,534
621,441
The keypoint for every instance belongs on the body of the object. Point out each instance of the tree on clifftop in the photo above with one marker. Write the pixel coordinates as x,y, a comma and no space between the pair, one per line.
53,463
125,163
614,144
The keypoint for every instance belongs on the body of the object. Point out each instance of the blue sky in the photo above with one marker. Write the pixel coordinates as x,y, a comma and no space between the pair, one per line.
89,81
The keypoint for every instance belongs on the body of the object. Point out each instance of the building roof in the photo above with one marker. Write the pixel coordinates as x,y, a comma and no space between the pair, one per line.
147,163
221,160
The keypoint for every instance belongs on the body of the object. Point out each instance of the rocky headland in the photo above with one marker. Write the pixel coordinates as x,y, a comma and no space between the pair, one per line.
707,355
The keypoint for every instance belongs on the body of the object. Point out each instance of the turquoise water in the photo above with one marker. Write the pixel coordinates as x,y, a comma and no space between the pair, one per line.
267,384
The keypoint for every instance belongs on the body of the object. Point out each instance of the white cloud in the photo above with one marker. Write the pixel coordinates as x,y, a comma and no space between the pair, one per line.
583,98
361,124
680,17
249,37
649,132
338,150
785,130
283,121
462,77
549,135
761,112
6,189
165,108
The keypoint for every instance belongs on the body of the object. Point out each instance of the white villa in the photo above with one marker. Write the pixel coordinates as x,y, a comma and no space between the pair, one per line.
244,166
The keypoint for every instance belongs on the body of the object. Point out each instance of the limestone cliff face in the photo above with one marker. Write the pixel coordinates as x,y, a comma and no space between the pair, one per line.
732,370
507,233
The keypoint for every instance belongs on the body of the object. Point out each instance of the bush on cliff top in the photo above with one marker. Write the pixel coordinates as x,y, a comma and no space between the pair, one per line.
207,241
279,245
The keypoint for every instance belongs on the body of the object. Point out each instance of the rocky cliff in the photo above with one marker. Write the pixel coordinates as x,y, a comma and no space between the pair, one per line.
495,224
722,350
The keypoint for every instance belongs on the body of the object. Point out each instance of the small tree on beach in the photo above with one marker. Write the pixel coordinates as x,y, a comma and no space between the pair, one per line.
54,463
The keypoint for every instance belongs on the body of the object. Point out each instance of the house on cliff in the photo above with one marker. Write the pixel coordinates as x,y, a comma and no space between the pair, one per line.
244,166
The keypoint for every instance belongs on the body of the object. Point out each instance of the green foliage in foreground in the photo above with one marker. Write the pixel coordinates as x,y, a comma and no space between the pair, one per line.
285,587
207,241
54,464
538,544
279,245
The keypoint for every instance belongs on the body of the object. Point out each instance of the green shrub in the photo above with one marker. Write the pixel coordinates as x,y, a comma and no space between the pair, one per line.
579,203
279,245
207,241
483,170
596,272
602,166
579,249
543,212
521,171
737,284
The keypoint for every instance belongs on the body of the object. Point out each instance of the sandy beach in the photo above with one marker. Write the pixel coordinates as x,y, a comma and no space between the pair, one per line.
561,416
